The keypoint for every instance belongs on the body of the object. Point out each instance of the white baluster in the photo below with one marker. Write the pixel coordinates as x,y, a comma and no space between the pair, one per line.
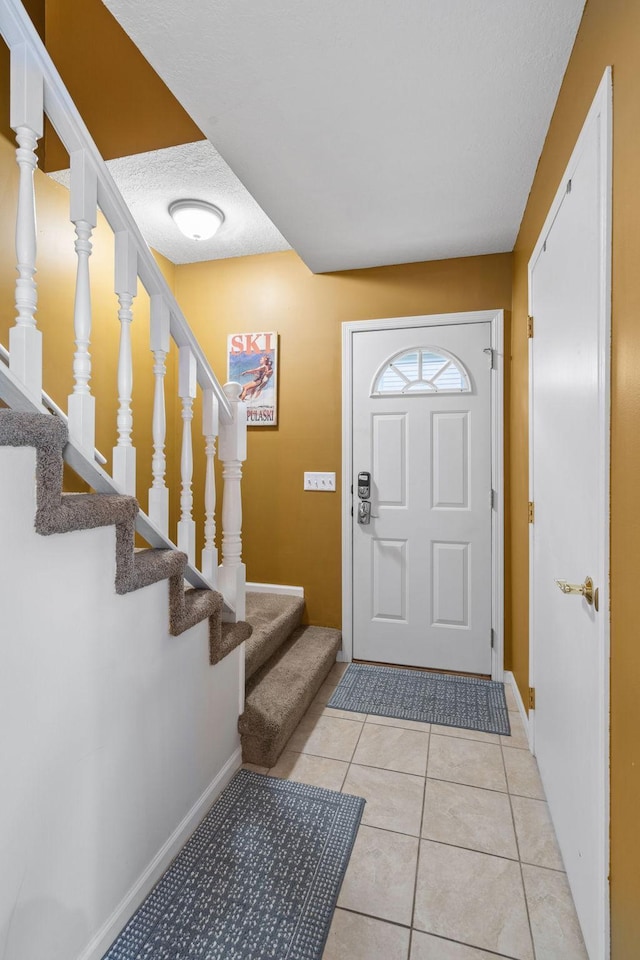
126,287
158,493
210,431
233,451
84,209
187,393
25,340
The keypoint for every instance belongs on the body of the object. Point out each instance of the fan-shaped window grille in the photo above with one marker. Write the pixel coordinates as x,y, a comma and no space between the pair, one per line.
421,370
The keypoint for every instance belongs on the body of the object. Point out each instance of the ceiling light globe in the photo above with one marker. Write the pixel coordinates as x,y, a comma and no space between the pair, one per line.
196,219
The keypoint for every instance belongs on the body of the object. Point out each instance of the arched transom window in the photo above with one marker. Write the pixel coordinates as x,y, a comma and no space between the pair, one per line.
421,370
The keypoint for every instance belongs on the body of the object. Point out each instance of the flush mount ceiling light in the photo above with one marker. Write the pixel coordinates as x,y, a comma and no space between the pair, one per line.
196,219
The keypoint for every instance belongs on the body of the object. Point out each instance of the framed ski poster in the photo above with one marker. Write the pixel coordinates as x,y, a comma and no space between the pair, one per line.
253,362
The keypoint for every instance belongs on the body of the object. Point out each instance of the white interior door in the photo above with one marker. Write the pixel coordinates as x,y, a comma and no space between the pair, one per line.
422,579
569,457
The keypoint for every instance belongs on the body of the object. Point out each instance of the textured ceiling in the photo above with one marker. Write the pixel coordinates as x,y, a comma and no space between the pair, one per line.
150,181
370,131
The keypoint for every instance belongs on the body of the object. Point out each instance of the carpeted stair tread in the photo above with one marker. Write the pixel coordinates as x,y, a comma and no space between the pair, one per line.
58,512
280,692
153,565
273,618
197,605
231,635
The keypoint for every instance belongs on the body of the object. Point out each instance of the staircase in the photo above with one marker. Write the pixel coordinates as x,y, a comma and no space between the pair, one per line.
36,91
286,664
134,568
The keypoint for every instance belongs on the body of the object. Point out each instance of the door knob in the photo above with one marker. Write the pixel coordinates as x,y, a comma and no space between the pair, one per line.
581,589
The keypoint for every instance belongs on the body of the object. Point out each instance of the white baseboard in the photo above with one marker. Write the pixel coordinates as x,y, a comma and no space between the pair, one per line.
280,588
511,680
143,886
341,657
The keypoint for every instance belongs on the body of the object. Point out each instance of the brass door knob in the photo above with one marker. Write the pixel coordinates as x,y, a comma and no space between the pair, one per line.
585,590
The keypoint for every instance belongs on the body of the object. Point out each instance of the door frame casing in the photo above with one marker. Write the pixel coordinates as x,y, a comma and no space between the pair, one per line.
602,107
496,319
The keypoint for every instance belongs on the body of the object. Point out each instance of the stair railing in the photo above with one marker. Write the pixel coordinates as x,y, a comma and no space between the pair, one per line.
36,90
51,405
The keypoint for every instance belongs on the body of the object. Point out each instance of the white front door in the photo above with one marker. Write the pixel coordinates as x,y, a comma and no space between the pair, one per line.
422,580
569,459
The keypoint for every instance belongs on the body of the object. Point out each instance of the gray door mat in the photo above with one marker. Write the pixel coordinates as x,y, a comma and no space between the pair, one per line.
417,695
259,878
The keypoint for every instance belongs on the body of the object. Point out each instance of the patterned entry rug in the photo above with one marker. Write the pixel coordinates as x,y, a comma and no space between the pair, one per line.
259,878
417,695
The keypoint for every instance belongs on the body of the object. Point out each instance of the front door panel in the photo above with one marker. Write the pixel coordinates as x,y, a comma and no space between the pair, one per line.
422,566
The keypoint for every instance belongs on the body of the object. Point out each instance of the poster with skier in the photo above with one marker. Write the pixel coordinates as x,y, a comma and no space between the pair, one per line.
253,363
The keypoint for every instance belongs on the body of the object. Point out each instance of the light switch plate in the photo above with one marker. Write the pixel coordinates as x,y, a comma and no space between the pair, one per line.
320,481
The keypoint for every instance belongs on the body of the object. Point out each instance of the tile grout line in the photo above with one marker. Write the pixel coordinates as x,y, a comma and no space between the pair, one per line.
415,879
353,753
344,780
346,774
484,853
436,936
469,946
410,773
515,832
370,916
406,773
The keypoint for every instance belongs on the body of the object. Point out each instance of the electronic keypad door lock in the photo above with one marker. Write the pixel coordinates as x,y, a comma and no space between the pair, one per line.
364,485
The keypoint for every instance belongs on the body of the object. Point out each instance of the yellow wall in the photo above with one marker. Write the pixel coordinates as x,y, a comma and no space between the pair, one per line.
609,34
36,10
293,536
126,106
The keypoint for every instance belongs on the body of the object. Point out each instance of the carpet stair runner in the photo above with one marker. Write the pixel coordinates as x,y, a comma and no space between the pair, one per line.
59,512
286,664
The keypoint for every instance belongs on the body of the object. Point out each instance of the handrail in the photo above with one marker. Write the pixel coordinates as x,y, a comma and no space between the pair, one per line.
17,28
36,86
12,392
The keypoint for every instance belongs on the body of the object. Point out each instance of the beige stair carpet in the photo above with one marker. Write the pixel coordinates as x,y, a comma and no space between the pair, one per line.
58,512
273,618
280,692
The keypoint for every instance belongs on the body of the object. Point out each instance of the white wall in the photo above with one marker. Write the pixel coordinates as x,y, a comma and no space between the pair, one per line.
110,732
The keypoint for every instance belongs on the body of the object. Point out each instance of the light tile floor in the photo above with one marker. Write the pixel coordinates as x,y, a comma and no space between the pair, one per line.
456,857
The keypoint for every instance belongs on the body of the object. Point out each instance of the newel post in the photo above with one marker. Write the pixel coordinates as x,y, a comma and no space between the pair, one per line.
233,452
27,97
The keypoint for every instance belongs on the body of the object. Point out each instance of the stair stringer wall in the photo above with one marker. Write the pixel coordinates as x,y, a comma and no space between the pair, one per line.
111,732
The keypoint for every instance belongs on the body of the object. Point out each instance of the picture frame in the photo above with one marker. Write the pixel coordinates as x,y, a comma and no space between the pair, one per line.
252,361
